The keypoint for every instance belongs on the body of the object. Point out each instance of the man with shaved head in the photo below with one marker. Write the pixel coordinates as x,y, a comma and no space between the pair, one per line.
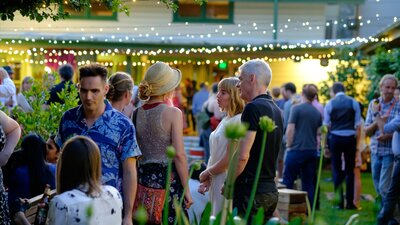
255,77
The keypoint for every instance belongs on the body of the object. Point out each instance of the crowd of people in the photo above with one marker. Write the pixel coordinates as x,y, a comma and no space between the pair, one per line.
110,151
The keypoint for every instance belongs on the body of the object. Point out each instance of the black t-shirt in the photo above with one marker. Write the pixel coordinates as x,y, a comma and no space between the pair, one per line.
262,105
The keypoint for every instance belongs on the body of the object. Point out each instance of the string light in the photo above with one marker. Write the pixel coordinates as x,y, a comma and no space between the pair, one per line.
307,25
251,29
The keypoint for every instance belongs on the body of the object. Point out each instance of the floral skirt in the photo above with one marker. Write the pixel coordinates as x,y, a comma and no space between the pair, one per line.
4,213
154,175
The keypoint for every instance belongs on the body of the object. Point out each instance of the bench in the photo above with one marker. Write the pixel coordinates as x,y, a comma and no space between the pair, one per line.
33,202
292,204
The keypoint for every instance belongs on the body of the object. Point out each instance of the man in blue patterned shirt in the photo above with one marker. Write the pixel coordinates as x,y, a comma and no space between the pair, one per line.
381,144
111,130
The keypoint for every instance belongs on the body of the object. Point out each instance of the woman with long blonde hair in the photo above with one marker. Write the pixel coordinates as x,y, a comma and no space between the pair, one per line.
214,176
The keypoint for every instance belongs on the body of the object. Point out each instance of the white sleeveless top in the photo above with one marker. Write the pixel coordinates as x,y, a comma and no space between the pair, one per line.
218,147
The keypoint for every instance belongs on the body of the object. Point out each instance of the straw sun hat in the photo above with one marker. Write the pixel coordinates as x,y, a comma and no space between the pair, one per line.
160,79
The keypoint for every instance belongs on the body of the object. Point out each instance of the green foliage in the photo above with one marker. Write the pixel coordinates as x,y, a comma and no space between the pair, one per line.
328,215
171,153
171,4
382,63
205,218
235,130
44,120
141,215
180,218
89,211
324,132
296,221
349,72
259,217
50,9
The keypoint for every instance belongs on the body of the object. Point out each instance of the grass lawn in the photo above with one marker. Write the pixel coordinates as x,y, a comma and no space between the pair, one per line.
329,215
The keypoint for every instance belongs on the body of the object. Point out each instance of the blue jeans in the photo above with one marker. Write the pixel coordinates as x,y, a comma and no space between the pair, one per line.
393,195
345,145
303,163
382,168
205,143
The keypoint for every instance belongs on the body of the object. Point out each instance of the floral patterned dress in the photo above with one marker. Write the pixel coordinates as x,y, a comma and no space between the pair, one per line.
4,213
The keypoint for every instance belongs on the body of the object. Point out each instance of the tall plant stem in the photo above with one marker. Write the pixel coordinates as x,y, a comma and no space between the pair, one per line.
167,188
229,184
254,188
323,137
184,190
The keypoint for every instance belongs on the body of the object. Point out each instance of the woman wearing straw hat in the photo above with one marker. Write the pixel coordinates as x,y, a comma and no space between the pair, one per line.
159,125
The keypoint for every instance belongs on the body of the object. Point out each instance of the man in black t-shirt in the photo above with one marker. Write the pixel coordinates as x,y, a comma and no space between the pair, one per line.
255,77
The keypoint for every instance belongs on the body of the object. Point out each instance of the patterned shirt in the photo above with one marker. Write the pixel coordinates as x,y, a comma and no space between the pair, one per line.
113,132
382,148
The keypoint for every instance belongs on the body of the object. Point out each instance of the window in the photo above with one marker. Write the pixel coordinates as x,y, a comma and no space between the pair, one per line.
209,12
96,11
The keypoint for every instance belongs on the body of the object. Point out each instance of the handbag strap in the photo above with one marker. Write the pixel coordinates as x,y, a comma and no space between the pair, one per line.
134,116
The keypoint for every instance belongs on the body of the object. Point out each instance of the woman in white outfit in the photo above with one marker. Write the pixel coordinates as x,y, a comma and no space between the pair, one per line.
214,176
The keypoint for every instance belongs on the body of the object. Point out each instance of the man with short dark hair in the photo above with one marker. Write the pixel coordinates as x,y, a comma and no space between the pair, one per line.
10,71
301,152
289,95
255,77
66,73
342,115
112,131
289,92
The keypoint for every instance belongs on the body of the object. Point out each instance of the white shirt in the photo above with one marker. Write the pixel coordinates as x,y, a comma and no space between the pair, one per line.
218,147
71,207
7,91
23,103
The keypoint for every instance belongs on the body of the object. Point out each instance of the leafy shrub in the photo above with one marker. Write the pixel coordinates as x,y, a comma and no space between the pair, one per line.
382,63
350,72
44,120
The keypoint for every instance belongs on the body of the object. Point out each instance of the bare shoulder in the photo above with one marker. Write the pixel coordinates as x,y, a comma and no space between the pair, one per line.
173,111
